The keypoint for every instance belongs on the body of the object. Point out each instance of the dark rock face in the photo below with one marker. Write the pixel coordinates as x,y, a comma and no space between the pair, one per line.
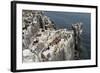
77,28
42,42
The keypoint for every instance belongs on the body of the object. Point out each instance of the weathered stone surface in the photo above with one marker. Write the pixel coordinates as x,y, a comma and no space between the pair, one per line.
42,42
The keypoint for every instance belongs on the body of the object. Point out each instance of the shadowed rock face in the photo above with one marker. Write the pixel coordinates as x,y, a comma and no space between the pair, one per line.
42,42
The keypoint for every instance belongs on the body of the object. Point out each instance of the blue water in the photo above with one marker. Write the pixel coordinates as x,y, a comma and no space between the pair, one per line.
66,19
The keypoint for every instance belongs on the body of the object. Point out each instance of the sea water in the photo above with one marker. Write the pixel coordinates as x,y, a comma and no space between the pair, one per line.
66,19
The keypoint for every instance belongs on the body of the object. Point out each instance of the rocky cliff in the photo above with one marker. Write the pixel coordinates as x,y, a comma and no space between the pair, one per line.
42,42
